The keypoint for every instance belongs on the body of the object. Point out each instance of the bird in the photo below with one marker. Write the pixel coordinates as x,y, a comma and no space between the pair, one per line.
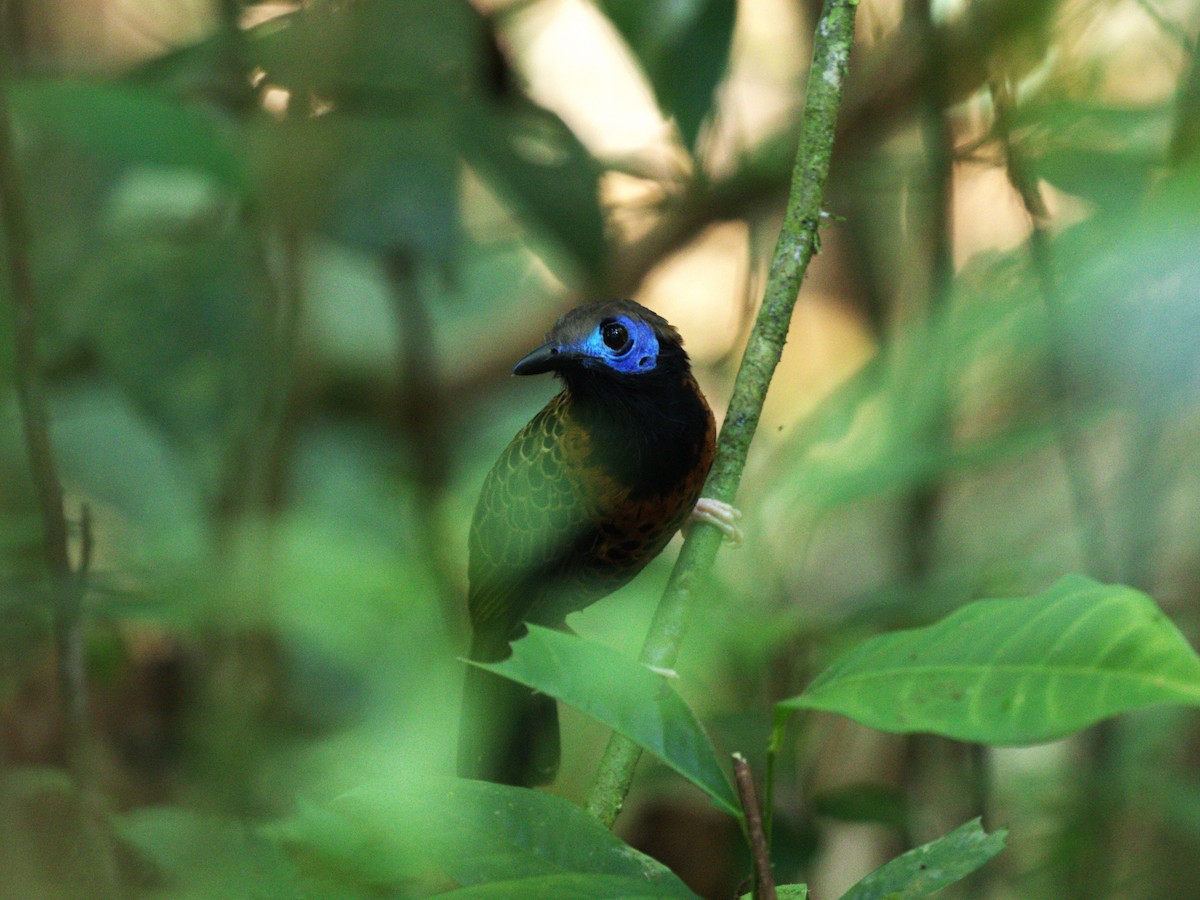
585,495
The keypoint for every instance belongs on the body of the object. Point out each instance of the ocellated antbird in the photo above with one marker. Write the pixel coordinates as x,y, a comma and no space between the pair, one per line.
585,495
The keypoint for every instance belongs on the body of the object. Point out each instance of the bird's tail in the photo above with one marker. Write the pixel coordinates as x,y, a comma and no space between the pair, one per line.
508,733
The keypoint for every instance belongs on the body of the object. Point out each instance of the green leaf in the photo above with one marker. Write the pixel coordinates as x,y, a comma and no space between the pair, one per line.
129,125
368,835
413,50
786,892
107,447
1112,179
683,47
416,46
206,856
538,165
1130,280
172,322
626,696
398,51
927,869
478,834
567,887
499,832
395,184
1015,671
1104,154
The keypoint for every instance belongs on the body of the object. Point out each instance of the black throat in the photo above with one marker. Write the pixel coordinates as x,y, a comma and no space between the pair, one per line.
647,430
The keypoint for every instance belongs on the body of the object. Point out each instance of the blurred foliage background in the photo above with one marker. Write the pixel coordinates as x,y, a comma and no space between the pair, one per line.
283,256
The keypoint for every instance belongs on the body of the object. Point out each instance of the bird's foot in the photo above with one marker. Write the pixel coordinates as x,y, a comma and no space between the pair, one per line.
720,514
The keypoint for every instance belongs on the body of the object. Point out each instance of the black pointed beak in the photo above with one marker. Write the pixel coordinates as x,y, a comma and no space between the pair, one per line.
545,358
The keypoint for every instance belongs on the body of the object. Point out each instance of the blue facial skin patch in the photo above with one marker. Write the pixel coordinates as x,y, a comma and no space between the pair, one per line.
639,355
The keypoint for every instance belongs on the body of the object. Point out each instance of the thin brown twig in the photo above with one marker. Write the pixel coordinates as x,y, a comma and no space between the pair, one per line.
764,881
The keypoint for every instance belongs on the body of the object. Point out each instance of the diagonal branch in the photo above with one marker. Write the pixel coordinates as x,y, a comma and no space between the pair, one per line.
798,241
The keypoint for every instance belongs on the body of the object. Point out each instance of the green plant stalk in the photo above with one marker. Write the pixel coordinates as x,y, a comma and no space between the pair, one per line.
798,241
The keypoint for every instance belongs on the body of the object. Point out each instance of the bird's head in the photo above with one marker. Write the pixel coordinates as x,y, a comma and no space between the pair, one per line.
610,339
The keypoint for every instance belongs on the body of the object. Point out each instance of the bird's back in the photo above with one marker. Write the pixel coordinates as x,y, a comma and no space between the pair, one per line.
558,526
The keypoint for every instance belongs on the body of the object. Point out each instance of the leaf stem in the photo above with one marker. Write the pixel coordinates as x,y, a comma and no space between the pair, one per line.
798,241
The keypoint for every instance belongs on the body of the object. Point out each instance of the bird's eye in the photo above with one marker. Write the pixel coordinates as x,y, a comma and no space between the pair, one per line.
615,336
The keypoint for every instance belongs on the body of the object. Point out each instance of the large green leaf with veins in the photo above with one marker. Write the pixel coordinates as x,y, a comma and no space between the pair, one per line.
626,696
1015,671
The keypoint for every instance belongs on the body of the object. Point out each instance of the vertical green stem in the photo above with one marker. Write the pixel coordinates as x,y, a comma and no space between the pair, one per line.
798,241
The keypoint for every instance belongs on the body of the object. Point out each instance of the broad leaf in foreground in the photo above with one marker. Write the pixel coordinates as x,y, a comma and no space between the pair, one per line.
786,892
626,696
400,833
568,887
1014,671
927,869
200,855
492,832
